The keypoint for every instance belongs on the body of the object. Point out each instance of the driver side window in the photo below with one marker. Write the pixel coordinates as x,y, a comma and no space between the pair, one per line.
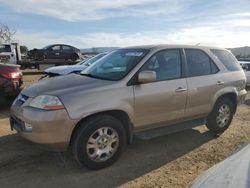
166,64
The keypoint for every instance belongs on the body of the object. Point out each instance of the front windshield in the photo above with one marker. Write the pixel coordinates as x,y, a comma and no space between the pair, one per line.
5,48
91,60
115,65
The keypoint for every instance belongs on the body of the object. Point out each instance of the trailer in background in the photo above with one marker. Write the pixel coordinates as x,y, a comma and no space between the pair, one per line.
10,53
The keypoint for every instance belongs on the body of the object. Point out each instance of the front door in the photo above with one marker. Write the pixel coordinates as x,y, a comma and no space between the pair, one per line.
54,52
163,101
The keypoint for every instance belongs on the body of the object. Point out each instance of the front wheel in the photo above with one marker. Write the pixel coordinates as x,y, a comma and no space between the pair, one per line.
221,116
99,142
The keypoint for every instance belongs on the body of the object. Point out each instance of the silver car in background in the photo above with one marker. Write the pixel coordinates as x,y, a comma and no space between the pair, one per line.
67,69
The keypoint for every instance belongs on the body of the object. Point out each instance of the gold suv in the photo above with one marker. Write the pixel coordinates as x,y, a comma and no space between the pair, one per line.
144,90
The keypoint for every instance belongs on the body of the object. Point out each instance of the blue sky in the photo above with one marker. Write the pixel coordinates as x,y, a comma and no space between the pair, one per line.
92,23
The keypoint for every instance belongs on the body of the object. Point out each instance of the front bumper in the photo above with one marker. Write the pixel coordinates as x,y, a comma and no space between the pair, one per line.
50,128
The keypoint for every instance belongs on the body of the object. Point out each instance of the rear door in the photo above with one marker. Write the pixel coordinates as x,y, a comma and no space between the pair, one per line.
163,101
66,52
203,82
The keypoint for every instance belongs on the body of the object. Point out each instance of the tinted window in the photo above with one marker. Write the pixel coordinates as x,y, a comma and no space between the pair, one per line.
5,48
55,48
199,63
214,68
166,64
229,61
66,47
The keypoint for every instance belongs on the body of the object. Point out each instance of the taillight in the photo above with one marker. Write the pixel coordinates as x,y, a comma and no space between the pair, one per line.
13,75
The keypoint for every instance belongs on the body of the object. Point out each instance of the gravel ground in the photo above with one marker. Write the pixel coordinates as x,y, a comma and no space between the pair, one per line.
170,161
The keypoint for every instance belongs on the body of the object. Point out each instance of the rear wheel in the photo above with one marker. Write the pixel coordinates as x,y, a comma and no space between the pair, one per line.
74,57
99,142
221,116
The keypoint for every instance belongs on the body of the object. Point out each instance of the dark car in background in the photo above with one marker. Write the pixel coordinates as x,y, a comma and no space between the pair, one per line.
11,80
55,51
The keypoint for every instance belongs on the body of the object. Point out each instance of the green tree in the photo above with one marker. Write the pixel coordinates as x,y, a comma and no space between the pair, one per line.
24,49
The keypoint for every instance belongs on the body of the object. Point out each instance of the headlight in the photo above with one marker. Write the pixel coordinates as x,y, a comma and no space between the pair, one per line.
47,102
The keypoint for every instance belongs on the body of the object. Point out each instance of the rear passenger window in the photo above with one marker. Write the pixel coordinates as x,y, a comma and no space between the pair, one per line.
229,61
66,47
199,63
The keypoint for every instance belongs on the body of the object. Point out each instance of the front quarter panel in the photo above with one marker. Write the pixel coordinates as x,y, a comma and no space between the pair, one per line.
84,103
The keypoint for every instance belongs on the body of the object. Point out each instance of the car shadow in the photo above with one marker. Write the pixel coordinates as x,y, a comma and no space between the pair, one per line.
22,161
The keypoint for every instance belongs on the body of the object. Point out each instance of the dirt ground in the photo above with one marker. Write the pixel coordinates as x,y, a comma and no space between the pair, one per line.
170,161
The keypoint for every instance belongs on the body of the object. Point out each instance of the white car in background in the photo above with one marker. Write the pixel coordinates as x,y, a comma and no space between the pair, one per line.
67,69
246,67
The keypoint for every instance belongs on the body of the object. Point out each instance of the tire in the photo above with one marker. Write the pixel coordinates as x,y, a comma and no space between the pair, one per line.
221,116
74,57
91,129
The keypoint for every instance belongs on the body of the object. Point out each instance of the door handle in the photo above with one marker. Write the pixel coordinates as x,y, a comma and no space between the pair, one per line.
58,53
219,83
180,89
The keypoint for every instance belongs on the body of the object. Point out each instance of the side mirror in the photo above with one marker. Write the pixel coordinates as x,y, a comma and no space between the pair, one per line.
146,76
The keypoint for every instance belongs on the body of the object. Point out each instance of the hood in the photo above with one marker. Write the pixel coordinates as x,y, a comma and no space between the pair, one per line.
66,69
62,85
